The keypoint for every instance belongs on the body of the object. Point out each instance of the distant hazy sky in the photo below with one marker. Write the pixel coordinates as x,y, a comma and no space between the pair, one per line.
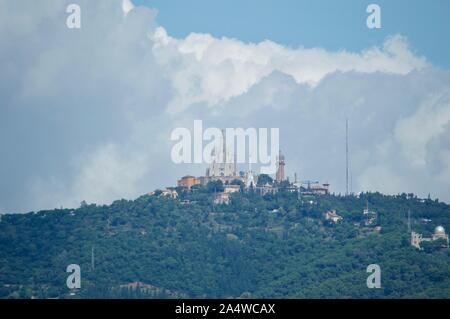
329,24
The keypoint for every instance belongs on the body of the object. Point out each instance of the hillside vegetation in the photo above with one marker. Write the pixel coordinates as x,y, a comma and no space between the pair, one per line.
276,246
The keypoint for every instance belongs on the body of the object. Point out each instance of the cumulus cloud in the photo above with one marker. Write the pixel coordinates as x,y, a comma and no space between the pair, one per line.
214,70
415,156
127,6
414,133
87,114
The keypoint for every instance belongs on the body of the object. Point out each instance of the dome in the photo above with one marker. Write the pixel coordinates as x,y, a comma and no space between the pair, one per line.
439,230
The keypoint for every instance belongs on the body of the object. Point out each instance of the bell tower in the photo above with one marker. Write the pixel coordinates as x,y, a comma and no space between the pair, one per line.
280,168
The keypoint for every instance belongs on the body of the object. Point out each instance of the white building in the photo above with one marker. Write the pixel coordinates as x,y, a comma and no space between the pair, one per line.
439,233
223,164
250,180
333,216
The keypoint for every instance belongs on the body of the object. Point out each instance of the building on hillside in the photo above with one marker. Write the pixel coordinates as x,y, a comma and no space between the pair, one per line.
231,188
170,193
416,239
223,166
291,188
223,163
315,188
250,179
439,233
222,198
425,221
333,216
279,177
320,189
188,181
266,189
370,217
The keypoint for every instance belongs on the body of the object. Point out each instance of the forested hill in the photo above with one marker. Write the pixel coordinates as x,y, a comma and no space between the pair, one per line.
277,246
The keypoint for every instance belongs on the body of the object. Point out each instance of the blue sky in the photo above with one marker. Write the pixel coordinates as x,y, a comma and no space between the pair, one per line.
332,25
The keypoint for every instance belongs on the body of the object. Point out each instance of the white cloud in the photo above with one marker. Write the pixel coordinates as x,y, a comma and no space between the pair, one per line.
415,158
429,121
127,6
109,174
214,70
87,114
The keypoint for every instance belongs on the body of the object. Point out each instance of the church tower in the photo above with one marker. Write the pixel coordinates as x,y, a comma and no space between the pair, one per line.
280,168
223,165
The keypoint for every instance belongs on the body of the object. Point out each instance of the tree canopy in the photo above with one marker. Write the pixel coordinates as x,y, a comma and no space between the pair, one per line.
272,246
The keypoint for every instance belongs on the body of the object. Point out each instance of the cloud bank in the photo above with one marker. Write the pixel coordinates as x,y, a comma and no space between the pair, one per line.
87,114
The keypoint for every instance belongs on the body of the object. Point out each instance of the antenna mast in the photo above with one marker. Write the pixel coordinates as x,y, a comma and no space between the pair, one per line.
92,259
346,156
